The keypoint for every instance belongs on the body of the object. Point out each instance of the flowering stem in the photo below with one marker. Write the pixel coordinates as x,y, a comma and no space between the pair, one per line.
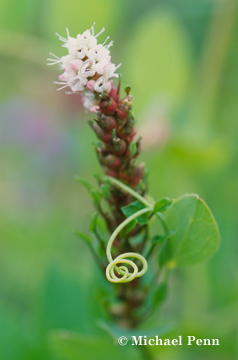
140,198
88,70
129,190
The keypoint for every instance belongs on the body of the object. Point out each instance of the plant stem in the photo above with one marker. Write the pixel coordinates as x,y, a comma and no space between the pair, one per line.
163,222
129,190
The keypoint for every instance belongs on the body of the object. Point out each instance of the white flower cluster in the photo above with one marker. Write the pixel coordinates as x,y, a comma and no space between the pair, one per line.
87,67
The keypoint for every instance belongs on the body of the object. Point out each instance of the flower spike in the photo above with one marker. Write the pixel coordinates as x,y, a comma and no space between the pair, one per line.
87,67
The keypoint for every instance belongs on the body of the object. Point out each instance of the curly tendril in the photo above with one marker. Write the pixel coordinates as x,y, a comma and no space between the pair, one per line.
122,270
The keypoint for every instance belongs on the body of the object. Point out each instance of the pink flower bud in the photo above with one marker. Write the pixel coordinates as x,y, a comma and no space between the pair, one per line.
94,109
111,161
127,131
108,106
90,85
107,123
76,64
118,146
121,114
124,106
138,174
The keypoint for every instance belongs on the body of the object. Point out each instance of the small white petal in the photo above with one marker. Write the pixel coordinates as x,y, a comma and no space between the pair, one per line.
87,70
83,79
79,51
87,39
77,87
102,84
71,42
103,64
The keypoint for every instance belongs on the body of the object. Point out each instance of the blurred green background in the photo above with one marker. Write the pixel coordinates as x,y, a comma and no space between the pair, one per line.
180,58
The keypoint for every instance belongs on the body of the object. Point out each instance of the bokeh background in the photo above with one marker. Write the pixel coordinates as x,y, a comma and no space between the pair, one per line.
180,58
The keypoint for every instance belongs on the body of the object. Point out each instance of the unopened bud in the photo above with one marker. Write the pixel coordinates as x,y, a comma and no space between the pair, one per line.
108,106
126,130
111,161
107,123
124,107
118,145
128,89
101,134
128,127
138,174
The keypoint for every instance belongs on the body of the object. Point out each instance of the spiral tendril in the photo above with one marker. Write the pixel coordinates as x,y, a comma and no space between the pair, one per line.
122,271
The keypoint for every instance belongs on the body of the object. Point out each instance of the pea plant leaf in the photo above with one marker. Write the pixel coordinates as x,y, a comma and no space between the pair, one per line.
131,225
162,205
197,237
132,208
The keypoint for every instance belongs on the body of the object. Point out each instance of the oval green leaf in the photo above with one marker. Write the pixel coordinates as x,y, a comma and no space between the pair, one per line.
197,237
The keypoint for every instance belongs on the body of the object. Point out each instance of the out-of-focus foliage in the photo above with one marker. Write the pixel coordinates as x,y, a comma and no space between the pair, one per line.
157,42
180,58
